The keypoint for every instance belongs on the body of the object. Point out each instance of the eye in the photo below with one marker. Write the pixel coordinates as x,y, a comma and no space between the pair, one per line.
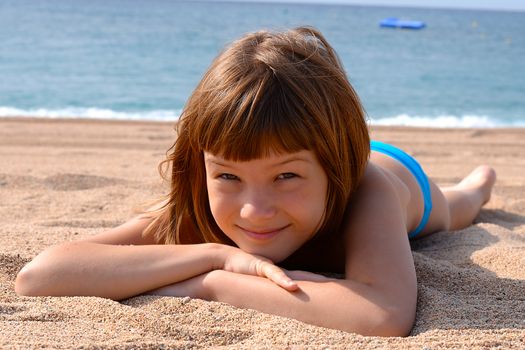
285,176
227,176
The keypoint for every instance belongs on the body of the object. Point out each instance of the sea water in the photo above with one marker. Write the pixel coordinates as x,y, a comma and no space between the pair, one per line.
140,59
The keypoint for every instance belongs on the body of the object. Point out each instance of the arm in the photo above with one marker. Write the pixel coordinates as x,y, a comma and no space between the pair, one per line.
120,263
339,304
108,265
378,295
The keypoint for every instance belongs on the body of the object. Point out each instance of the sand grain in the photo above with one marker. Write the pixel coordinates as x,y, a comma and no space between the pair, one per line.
63,180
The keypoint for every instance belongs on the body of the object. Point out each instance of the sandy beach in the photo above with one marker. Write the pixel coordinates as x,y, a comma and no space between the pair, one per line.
63,180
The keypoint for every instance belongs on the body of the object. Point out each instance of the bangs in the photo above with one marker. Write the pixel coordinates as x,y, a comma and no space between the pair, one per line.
264,119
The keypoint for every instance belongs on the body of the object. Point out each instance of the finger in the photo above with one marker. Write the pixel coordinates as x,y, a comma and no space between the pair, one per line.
307,276
278,276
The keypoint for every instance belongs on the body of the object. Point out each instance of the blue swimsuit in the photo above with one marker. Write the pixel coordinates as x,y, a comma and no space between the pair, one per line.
413,166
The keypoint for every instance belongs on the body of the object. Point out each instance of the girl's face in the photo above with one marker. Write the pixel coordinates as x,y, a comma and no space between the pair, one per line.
269,206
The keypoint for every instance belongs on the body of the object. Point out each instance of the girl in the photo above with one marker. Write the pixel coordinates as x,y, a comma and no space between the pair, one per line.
273,177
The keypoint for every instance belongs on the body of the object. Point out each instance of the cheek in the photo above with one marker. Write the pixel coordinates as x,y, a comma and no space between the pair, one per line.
308,207
220,205
317,210
317,205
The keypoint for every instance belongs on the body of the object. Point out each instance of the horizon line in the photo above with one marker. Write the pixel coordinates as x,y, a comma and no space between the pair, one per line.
344,3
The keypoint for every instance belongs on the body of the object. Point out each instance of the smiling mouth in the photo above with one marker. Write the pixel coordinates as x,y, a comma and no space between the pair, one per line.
263,234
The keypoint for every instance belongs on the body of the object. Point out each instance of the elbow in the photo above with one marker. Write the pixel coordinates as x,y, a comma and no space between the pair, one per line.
392,321
379,321
395,313
35,281
25,283
38,277
396,323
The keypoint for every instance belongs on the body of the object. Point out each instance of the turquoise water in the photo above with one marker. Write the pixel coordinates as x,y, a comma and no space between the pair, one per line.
140,59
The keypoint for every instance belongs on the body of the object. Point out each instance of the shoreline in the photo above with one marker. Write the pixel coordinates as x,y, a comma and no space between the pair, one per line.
73,119
65,179
65,119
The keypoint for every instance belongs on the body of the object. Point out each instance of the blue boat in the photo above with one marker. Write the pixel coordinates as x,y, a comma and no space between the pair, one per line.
393,22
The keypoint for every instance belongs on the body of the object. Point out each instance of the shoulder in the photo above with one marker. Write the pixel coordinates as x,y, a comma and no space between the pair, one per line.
379,192
378,178
374,227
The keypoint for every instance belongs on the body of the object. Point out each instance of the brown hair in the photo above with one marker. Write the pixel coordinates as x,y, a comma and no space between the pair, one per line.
268,91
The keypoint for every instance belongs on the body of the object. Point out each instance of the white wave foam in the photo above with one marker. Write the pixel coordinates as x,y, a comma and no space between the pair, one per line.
90,113
443,121
446,121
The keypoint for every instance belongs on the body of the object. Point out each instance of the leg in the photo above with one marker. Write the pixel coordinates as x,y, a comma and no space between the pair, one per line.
467,197
456,207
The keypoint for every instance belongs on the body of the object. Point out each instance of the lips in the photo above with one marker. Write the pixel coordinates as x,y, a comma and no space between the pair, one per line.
262,234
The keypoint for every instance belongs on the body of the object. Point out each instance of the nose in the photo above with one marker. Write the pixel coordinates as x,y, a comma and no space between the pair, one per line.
258,206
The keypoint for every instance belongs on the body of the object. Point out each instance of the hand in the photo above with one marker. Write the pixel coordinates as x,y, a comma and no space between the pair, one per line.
239,261
299,275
